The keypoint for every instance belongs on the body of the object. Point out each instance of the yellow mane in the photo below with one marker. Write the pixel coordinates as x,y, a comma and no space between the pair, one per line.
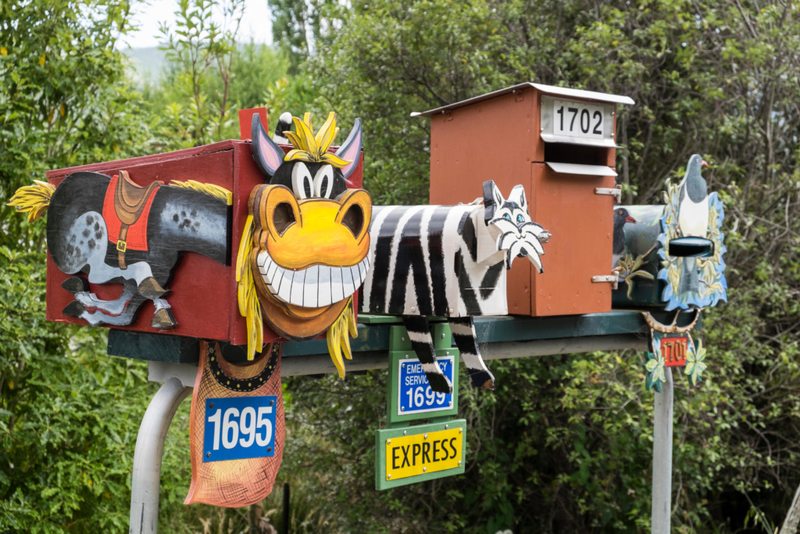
309,147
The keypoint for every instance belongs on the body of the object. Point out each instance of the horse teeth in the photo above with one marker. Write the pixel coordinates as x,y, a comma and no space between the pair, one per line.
298,284
272,270
285,289
324,290
274,281
262,259
347,282
311,287
356,277
337,289
265,265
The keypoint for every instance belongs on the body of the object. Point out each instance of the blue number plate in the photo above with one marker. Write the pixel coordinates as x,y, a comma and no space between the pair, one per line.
415,394
238,428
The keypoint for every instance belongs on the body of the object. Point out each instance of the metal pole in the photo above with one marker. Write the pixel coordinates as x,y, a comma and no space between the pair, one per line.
147,458
662,459
286,508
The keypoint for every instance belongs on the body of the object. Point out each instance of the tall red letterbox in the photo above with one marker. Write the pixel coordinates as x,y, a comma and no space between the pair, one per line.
560,144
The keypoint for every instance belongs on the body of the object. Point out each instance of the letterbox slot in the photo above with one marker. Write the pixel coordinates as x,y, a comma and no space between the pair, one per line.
586,170
582,155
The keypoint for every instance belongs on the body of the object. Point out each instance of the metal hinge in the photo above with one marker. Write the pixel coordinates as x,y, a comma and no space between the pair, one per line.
612,279
615,192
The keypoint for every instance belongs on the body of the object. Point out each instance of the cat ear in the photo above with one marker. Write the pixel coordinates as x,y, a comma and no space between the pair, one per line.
267,155
492,199
518,195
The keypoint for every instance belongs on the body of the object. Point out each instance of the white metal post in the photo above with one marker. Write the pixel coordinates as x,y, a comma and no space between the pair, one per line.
147,458
662,458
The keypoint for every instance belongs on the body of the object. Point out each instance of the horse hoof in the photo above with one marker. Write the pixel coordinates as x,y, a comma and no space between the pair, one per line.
163,319
75,284
74,309
150,289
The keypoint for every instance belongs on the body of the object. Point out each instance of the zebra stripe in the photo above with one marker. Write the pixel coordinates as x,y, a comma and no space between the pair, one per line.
419,333
463,330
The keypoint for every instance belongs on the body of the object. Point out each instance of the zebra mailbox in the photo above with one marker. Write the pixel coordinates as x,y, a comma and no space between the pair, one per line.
559,143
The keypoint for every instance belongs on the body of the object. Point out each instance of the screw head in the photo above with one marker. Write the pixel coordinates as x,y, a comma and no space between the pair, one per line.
442,336
426,436
389,475
210,404
208,455
459,462
424,469
446,427
402,338
460,430
271,402
405,432
269,449
388,441
402,408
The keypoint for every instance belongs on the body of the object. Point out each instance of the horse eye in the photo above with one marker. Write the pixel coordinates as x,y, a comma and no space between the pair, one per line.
520,218
507,217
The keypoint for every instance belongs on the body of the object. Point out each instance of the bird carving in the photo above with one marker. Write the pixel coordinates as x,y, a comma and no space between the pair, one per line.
692,217
621,216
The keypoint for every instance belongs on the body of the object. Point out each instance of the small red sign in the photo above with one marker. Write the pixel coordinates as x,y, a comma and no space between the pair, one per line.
673,350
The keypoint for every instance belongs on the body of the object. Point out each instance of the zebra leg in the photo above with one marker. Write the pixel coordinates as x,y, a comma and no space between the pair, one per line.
419,332
464,334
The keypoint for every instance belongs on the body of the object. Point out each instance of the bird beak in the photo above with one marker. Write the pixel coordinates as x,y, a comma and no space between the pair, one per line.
703,164
630,219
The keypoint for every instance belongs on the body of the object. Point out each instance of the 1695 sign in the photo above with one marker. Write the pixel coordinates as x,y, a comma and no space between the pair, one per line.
238,428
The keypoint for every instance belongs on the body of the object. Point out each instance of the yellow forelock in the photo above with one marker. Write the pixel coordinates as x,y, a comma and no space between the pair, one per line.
309,147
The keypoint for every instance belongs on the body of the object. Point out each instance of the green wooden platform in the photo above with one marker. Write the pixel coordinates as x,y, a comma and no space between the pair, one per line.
373,336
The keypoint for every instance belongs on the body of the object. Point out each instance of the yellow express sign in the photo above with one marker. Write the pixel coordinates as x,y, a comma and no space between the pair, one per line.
419,454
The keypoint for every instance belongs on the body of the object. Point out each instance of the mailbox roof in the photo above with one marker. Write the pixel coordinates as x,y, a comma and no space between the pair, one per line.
546,89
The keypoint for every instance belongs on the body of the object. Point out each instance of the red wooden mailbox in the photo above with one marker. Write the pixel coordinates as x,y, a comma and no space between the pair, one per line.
202,292
558,143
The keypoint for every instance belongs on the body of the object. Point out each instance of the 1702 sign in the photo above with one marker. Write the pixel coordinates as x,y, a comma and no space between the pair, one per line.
239,427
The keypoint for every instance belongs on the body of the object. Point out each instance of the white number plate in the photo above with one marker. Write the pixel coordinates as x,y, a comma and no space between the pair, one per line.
578,119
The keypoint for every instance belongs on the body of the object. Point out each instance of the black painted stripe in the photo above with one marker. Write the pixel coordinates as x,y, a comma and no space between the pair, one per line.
489,282
436,260
470,238
468,294
409,256
383,260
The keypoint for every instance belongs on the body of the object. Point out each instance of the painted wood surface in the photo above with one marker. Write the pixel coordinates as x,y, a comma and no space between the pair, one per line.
199,284
499,139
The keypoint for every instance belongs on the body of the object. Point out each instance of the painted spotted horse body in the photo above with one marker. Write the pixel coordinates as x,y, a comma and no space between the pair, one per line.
78,240
448,261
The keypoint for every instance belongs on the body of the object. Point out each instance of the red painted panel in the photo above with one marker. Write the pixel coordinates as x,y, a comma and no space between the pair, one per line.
202,291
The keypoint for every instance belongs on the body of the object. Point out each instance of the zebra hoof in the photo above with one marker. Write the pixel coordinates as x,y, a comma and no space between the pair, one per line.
75,284
74,309
163,319
150,289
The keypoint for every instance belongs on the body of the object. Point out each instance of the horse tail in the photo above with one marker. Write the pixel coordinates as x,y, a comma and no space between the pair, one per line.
33,199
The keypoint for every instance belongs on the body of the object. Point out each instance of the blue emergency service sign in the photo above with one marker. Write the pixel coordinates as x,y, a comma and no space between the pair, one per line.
415,395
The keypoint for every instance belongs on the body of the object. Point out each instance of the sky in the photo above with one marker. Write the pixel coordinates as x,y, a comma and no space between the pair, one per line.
256,23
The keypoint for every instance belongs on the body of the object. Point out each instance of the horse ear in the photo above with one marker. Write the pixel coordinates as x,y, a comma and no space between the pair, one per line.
518,195
267,155
351,149
492,199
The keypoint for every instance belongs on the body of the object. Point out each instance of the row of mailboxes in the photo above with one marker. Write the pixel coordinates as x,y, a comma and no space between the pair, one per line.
559,143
